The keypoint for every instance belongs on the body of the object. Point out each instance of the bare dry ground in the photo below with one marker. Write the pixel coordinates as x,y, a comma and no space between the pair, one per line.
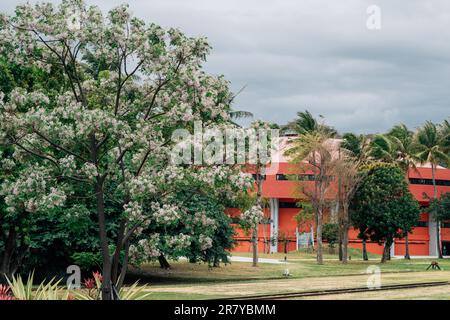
430,293
226,290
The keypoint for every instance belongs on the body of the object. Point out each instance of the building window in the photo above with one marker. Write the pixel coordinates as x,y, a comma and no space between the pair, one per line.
263,176
285,204
422,224
445,224
300,177
429,182
306,177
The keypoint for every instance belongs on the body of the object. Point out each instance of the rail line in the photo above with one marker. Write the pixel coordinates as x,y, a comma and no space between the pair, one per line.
280,296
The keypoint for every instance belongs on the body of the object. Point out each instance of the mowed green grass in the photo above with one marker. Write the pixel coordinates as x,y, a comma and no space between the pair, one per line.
299,265
355,254
185,276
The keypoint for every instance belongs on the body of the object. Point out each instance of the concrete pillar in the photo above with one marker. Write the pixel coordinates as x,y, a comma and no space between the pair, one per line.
274,214
392,251
432,234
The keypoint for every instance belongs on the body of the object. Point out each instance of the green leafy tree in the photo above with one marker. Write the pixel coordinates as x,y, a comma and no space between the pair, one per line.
440,207
330,234
383,207
396,147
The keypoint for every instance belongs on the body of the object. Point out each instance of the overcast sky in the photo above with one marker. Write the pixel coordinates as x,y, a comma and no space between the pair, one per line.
319,55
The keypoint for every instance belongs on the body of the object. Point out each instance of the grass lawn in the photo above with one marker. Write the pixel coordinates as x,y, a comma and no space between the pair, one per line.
230,289
355,254
196,281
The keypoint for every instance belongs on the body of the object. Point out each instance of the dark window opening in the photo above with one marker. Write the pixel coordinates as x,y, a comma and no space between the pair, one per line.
422,224
300,177
285,204
262,176
429,182
306,177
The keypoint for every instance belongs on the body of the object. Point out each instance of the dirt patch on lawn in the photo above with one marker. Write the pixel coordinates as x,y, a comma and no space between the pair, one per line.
299,285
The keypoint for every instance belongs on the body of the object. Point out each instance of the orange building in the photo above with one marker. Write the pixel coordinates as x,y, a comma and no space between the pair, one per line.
279,231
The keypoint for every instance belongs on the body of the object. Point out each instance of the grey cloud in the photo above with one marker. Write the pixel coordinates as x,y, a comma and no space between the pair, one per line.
318,54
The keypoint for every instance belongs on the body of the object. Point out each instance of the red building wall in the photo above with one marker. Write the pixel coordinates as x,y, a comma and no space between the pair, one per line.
288,190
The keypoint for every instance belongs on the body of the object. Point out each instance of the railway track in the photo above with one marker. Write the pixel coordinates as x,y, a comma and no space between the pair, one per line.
281,296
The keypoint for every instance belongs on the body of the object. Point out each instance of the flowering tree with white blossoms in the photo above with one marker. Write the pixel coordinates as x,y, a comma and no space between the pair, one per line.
127,86
190,221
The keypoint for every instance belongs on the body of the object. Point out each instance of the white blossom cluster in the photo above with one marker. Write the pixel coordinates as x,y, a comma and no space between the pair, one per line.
133,211
31,192
206,223
205,242
7,164
143,185
253,216
145,249
242,180
178,242
166,213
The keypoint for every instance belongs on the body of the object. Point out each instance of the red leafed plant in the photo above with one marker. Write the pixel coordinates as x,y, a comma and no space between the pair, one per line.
5,293
4,290
89,283
94,284
97,276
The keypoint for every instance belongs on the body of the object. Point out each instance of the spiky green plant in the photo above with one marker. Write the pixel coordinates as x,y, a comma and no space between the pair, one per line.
134,292
50,290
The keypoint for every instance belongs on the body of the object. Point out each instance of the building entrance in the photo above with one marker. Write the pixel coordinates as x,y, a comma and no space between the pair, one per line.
446,248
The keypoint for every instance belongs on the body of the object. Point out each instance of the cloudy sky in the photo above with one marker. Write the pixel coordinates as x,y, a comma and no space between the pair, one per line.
319,55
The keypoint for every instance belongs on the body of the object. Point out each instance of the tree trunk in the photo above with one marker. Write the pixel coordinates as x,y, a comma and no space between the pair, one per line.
106,259
340,236
259,173
124,269
116,257
10,246
216,262
345,225
386,251
438,223
340,213
364,249
163,263
319,236
407,247
345,248
255,246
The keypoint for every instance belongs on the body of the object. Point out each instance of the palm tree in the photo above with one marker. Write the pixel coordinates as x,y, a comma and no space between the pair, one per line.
314,149
402,141
306,123
382,148
445,133
429,144
357,146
